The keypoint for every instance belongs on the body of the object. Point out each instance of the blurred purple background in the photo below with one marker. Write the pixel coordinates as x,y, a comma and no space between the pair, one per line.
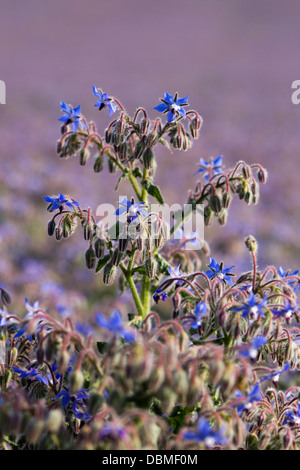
236,60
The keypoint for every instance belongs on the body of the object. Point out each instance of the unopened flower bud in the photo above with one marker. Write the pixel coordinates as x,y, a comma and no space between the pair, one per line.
251,243
90,258
139,149
76,381
51,227
13,354
54,421
226,199
116,257
95,403
109,274
152,139
108,135
144,125
148,158
112,167
88,230
222,217
5,297
83,156
262,175
58,232
99,247
34,430
98,164
150,267
208,215
215,203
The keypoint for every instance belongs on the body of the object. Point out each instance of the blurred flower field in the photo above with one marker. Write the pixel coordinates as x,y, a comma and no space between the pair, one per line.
164,357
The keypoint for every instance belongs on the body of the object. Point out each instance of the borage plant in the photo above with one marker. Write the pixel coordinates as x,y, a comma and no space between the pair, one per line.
211,376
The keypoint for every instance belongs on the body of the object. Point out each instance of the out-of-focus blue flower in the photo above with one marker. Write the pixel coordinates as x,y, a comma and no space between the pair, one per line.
78,401
191,239
57,374
71,116
254,395
287,310
204,433
275,375
250,350
217,270
104,101
291,418
252,308
59,202
115,325
174,272
211,168
283,274
200,312
113,431
32,308
31,374
174,106
159,295
132,208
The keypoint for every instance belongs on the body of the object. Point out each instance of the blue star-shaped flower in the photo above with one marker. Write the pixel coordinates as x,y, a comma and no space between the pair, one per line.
104,101
71,116
254,395
31,374
250,350
133,209
283,274
291,418
287,311
174,106
217,270
276,375
252,308
159,295
77,400
174,272
115,325
204,433
211,168
200,312
59,202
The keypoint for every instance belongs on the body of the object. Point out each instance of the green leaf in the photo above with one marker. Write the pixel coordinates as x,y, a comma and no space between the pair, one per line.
122,177
162,264
137,172
154,191
102,346
165,143
102,262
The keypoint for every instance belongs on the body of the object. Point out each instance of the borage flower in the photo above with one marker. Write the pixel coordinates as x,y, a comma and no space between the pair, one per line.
31,374
204,433
251,350
254,395
291,282
275,376
59,202
71,116
133,209
291,418
287,311
200,312
252,308
217,271
175,273
211,168
104,101
174,106
78,402
115,325
159,295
